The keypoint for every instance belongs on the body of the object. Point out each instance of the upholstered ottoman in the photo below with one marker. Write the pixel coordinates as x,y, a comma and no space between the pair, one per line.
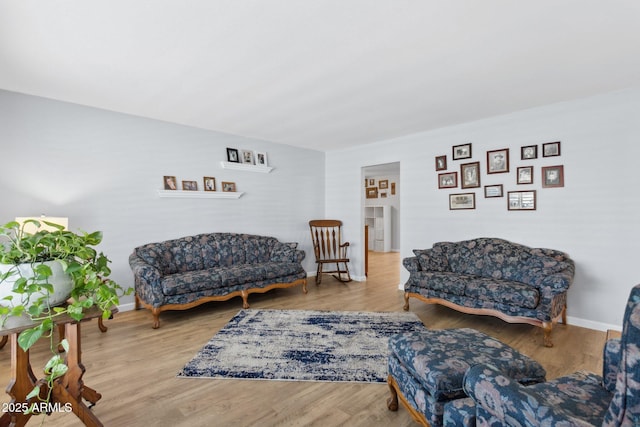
426,368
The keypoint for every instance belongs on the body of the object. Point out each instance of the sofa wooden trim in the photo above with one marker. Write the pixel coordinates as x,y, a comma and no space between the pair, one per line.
546,326
155,311
392,403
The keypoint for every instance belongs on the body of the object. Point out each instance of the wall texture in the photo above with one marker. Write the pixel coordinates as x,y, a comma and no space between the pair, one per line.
594,217
102,170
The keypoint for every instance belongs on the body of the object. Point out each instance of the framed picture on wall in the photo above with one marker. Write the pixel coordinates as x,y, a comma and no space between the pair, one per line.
232,155
521,200
552,176
498,161
529,152
493,191
383,184
470,175
261,158
228,187
372,192
189,185
551,149
441,163
209,183
462,201
247,157
393,188
448,180
170,183
462,151
525,175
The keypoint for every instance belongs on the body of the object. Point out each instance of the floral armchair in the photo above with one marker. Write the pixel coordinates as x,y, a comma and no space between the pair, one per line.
579,399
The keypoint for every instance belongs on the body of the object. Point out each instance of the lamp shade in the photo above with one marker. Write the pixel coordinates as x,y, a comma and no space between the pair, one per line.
31,228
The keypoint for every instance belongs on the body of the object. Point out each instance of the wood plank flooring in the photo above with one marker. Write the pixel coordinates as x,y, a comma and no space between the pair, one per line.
135,366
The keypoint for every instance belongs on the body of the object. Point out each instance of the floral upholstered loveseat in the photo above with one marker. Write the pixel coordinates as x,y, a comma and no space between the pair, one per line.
183,273
495,277
579,399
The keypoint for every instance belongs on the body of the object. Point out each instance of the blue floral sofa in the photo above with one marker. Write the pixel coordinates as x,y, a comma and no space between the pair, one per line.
183,273
491,276
579,399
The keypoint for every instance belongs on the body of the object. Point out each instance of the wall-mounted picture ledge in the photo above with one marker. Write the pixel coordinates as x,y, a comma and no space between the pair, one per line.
199,194
246,167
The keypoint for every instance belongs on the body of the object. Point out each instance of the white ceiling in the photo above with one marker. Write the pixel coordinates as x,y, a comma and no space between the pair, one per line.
321,74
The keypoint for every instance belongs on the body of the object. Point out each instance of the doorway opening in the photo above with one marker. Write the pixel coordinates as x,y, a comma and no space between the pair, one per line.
381,219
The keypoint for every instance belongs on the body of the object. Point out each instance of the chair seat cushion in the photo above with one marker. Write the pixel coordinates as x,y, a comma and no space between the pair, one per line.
579,395
438,359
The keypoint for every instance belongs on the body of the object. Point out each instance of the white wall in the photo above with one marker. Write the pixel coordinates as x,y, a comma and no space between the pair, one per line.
103,170
594,217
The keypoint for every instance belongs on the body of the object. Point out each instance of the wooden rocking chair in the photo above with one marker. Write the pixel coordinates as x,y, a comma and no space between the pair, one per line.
326,235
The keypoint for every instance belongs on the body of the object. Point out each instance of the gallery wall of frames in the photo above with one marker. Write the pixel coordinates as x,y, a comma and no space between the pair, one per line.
459,171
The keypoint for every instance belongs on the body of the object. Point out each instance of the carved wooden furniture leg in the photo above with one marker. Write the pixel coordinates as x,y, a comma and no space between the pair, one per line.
70,388
3,341
392,401
406,301
22,382
547,327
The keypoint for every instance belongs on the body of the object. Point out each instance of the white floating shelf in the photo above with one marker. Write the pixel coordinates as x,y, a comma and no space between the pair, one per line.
200,194
246,167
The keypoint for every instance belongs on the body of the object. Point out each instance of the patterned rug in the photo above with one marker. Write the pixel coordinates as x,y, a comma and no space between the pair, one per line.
302,345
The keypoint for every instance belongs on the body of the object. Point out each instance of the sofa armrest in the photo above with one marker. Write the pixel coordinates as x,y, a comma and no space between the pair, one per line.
611,356
411,264
505,399
286,252
556,283
147,281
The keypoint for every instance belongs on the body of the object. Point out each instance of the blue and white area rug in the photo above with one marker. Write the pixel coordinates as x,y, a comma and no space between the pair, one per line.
302,345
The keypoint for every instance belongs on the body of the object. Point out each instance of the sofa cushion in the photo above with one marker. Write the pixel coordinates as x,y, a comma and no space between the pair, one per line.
190,282
467,257
502,291
241,274
273,270
257,249
451,283
432,259
173,256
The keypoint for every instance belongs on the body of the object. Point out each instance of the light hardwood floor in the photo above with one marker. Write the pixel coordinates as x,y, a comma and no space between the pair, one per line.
135,366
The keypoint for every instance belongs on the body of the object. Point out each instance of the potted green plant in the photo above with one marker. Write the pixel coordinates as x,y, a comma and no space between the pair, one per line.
46,274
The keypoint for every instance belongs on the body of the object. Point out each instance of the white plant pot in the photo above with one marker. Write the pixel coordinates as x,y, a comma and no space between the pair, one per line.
61,281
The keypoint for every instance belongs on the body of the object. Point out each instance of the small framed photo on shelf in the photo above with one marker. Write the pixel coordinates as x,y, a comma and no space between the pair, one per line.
448,180
462,151
441,163
247,157
493,191
552,176
169,183
189,185
470,175
551,149
498,161
525,175
462,201
209,183
521,200
383,184
372,192
261,158
228,187
232,155
529,152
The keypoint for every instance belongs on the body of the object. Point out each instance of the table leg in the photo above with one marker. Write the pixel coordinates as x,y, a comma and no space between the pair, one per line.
22,382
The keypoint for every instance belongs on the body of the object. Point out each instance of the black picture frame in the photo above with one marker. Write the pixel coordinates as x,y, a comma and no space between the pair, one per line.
233,155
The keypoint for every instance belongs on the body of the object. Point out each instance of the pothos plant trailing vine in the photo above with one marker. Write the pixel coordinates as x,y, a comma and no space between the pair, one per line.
89,272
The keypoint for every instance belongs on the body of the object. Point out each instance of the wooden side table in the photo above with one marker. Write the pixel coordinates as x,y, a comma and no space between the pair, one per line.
68,391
